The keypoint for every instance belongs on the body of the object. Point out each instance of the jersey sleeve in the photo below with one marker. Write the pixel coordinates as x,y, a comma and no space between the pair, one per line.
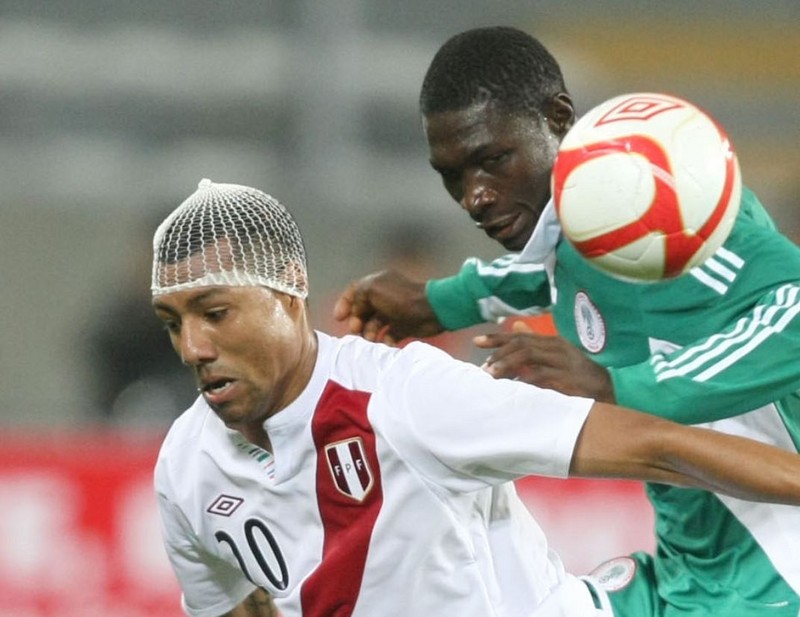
465,430
747,365
210,587
489,291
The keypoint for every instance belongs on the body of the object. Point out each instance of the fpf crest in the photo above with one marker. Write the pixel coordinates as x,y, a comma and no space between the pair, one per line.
351,473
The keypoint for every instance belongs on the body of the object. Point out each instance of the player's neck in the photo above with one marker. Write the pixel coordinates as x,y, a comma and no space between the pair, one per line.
257,436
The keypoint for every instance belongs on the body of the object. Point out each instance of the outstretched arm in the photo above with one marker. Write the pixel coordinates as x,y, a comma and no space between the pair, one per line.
389,306
621,443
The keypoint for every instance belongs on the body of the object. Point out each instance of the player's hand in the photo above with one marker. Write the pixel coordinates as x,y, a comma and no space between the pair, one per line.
387,306
257,604
545,361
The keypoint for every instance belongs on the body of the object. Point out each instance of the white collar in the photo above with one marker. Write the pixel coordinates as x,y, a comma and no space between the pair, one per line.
544,238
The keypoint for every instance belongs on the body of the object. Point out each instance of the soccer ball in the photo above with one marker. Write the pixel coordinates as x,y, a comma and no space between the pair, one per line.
646,186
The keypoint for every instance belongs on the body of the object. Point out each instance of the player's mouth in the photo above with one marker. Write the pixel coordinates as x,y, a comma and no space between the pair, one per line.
218,391
503,228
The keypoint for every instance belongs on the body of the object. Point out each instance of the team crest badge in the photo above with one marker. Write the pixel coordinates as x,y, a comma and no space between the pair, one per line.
590,323
614,574
347,462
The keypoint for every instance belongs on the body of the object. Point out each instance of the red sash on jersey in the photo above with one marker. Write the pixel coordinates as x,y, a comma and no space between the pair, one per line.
350,497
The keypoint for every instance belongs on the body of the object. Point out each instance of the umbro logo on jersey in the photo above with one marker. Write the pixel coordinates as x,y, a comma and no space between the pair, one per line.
225,505
347,462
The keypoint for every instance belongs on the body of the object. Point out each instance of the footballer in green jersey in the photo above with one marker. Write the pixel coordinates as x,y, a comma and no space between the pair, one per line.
718,346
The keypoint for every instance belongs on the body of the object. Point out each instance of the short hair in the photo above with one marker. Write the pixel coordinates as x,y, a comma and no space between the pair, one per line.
229,235
500,64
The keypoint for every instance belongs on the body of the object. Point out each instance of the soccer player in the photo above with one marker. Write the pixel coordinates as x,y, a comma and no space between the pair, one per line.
337,476
718,346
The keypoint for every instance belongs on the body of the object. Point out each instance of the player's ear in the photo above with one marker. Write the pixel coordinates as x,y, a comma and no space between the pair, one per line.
560,113
293,305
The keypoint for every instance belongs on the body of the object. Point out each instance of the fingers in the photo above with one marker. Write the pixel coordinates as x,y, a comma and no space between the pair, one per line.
490,341
520,326
354,307
494,364
373,329
355,325
511,351
344,304
513,362
385,336
518,355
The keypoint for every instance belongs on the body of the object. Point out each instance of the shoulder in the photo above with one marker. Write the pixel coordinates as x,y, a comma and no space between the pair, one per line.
752,211
758,243
360,364
417,375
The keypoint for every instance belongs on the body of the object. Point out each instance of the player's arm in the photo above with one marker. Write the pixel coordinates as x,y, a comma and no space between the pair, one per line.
257,604
747,365
389,304
620,443
487,292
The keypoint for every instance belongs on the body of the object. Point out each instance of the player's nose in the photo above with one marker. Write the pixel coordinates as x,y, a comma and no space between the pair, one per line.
196,345
477,200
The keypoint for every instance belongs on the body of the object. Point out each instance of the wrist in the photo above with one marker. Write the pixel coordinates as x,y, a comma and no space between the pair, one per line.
450,304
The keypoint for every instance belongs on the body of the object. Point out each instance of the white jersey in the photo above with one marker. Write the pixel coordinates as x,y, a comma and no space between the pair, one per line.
390,492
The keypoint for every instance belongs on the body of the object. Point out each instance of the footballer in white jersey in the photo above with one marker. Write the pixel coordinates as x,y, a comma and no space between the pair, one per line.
338,477
391,495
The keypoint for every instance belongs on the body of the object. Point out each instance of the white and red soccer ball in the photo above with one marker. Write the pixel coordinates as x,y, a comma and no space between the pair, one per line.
646,186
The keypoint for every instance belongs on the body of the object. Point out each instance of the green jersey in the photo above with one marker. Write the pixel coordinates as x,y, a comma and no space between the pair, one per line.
718,346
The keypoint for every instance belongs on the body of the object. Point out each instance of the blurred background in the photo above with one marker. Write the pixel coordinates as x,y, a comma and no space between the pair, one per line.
111,111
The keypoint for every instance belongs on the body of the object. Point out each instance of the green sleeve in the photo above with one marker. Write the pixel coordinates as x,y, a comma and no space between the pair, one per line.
750,364
488,292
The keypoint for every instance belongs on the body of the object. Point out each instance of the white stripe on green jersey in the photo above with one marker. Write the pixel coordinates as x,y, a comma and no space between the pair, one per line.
494,310
774,527
717,275
503,266
720,351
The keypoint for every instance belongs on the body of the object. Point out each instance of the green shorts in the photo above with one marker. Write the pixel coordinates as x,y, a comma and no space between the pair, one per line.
629,585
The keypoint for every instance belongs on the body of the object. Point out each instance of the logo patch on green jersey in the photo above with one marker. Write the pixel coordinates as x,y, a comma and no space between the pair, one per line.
589,323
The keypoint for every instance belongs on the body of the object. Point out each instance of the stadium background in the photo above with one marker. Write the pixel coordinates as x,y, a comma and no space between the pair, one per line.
113,110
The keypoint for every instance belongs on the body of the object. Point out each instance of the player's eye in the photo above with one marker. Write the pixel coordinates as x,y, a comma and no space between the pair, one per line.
216,314
494,161
449,176
171,326
451,180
